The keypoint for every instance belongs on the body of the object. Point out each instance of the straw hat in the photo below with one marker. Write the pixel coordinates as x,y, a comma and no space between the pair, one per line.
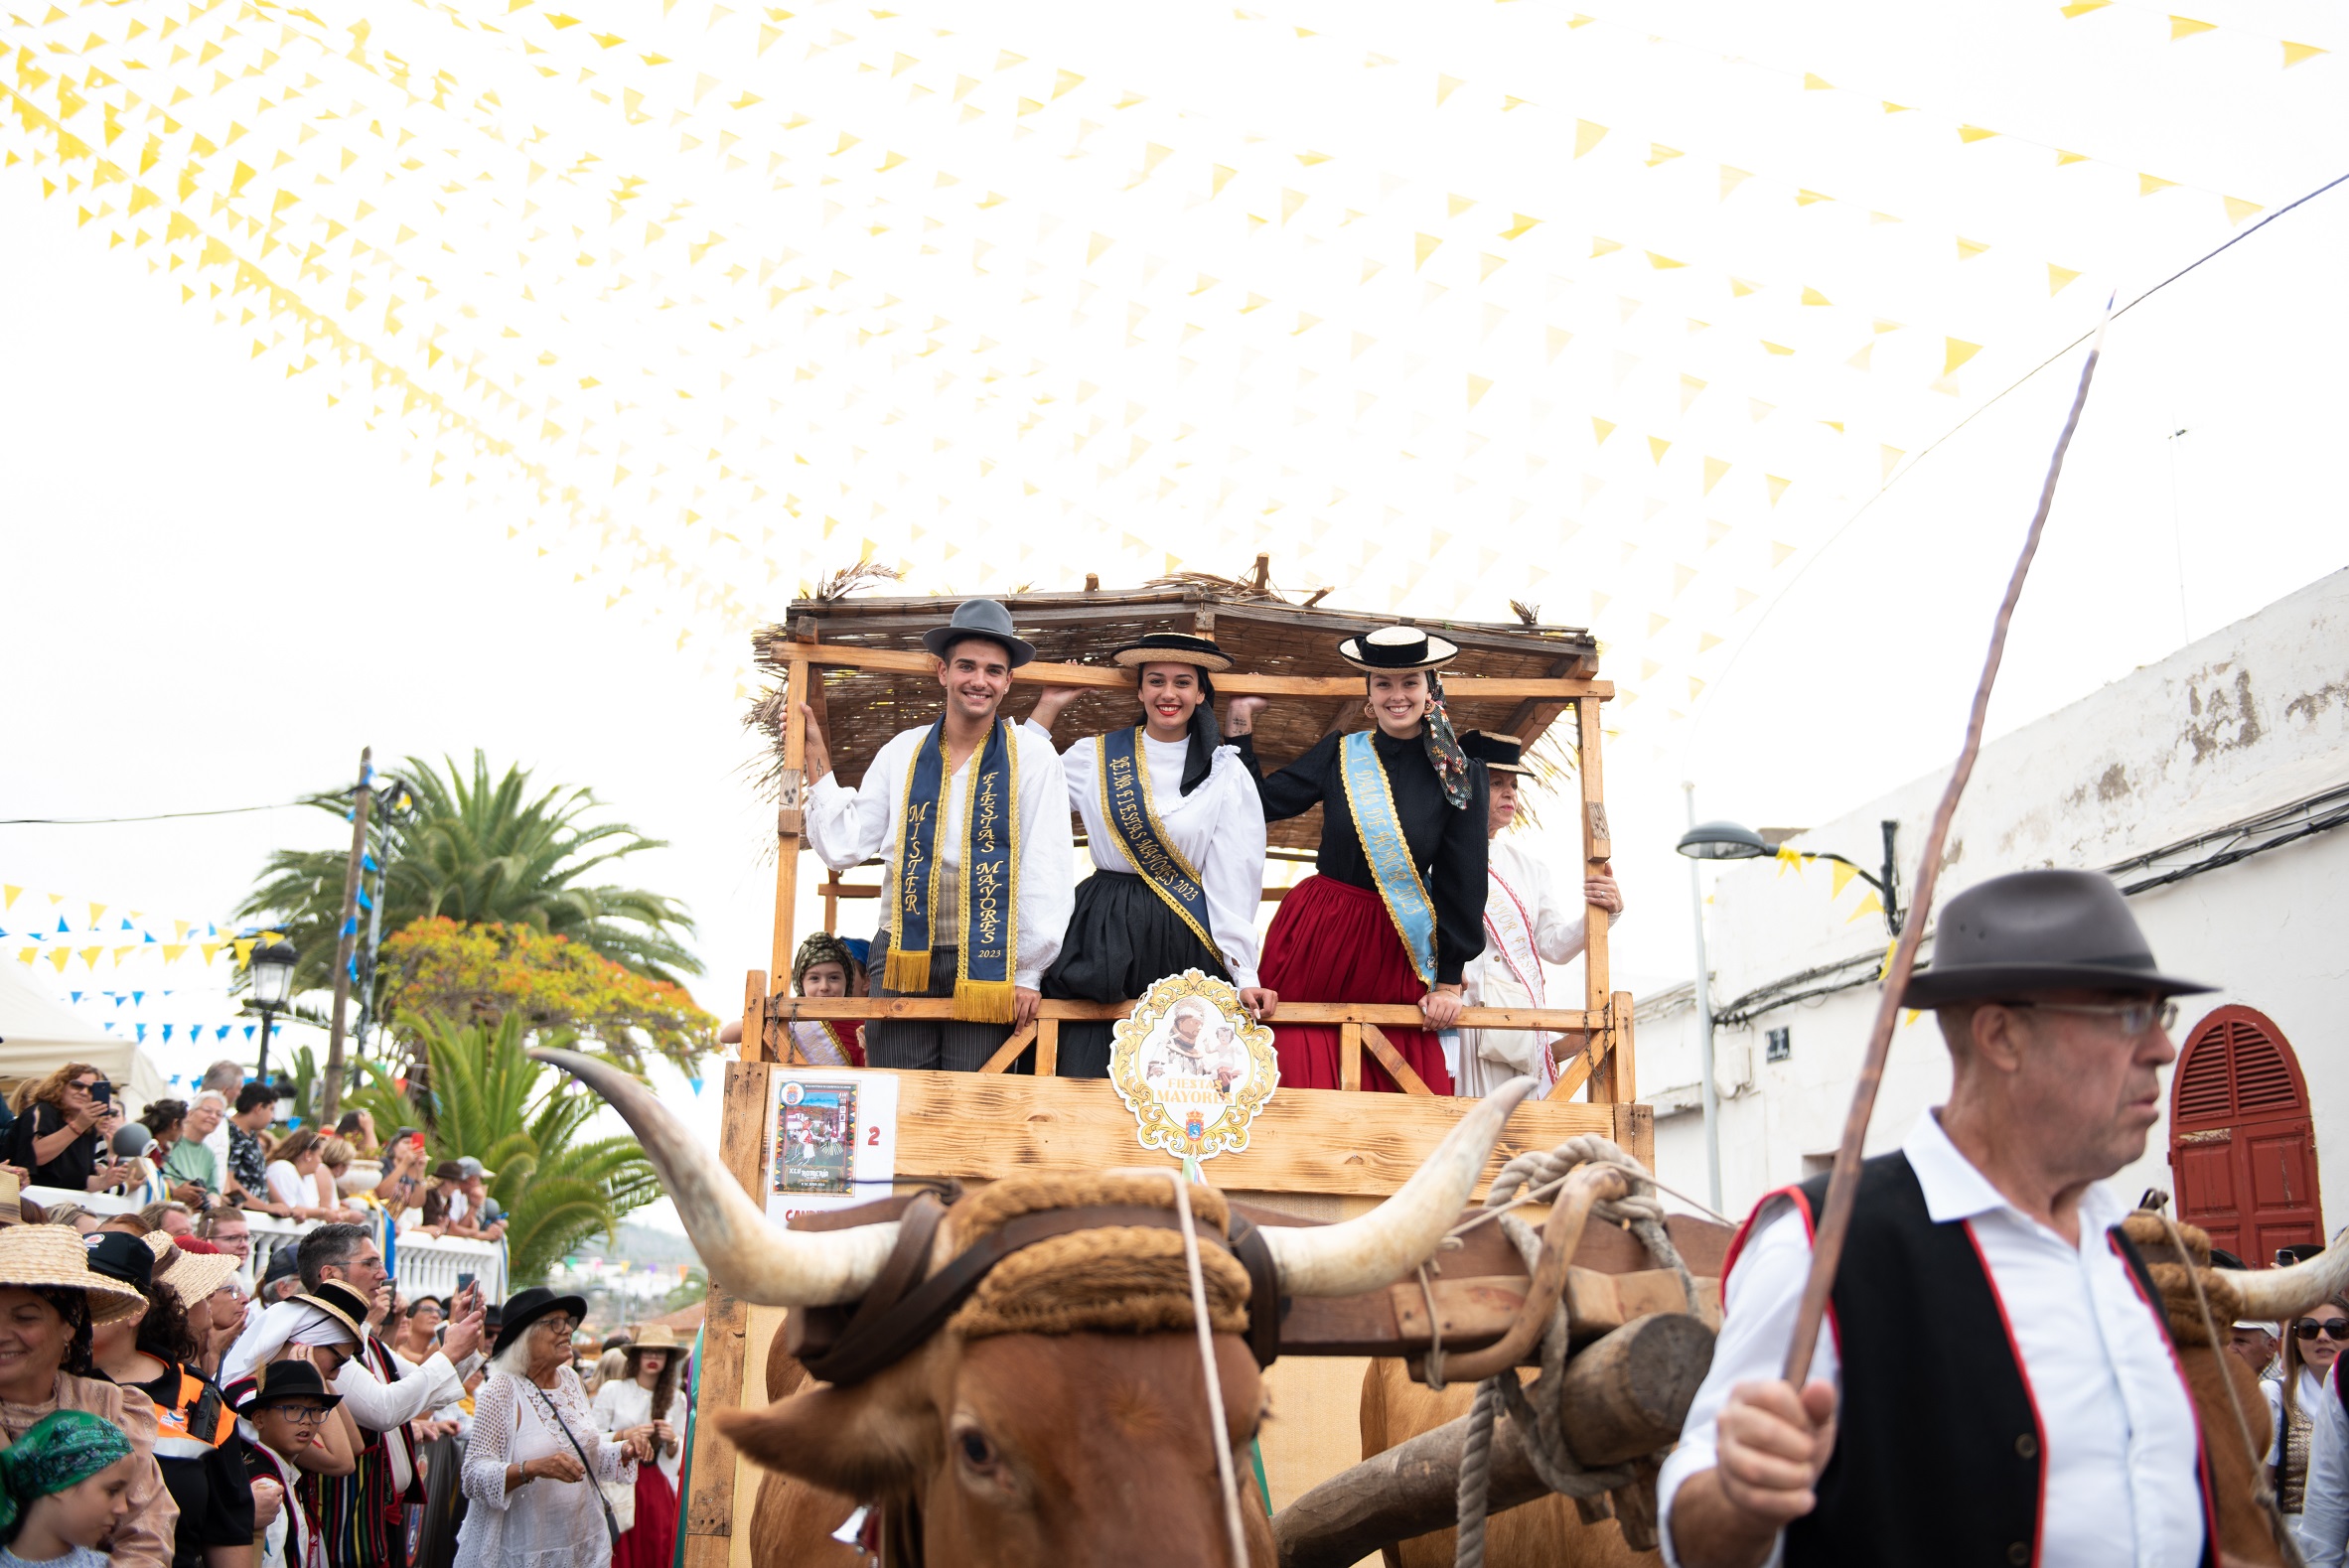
341,1302
1173,648
1398,647
653,1337
53,1257
192,1276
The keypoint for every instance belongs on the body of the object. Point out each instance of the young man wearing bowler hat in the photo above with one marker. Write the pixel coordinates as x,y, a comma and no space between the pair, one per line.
970,816
1994,1384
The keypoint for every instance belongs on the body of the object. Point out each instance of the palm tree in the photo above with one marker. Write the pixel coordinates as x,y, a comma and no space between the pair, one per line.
523,1121
477,848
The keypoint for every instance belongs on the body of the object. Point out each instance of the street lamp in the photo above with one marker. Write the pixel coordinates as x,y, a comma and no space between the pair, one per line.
272,969
1711,841
1725,840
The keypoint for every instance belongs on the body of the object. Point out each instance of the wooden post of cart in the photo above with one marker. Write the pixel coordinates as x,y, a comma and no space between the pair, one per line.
1319,1154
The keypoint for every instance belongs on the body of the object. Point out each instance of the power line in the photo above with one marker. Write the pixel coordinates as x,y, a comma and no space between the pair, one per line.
159,816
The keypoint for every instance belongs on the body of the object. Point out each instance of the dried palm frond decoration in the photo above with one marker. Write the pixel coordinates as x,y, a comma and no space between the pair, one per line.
848,579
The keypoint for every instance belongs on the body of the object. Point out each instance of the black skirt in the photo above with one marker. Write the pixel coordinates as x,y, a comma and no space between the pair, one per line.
1122,938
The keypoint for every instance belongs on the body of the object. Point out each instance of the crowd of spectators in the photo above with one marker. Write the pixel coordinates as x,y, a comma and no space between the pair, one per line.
309,1417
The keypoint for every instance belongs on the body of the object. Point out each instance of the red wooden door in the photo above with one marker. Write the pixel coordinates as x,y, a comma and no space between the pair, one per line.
2242,1150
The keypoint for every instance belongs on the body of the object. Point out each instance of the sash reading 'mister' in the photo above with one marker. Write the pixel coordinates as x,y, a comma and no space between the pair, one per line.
986,884
1126,806
1372,800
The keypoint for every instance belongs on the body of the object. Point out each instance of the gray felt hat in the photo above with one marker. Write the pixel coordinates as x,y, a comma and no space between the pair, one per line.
2039,930
979,617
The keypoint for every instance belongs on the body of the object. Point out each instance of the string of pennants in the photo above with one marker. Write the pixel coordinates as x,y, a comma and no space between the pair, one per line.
56,929
363,202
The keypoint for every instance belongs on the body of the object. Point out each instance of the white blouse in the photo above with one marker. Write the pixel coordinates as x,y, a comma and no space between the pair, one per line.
1489,1057
847,828
624,1402
542,1523
1218,827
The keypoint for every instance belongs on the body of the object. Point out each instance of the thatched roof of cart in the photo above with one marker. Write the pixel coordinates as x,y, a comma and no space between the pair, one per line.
1265,635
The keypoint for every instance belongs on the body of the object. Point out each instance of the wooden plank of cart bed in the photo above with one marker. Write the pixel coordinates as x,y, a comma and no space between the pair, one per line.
1457,688
985,1126
1556,1019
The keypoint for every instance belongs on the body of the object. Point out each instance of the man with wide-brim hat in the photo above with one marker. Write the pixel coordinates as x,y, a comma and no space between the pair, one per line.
1394,908
1995,1382
1177,840
970,814
1527,923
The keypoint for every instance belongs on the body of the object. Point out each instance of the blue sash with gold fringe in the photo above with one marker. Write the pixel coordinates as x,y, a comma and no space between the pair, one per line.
1372,800
1126,806
985,893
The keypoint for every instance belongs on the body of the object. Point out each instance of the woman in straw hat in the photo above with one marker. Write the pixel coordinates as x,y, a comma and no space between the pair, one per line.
1526,925
154,1352
642,1402
49,1301
1178,846
1396,908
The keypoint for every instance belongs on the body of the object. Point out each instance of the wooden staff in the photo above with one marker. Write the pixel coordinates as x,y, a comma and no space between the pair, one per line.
1826,1251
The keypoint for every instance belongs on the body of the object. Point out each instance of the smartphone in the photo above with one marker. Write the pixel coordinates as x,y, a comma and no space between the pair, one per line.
465,1282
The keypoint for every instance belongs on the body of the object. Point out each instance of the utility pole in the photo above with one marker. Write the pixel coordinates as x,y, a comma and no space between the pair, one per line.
1709,1095
330,1095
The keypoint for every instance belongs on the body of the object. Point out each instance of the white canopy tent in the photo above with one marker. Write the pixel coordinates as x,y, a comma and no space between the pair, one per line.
37,1033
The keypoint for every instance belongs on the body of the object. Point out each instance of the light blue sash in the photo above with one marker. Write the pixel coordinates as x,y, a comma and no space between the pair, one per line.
1372,800
1126,807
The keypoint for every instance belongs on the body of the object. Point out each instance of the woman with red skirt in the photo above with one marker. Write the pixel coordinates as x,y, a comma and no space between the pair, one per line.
1395,908
647,1400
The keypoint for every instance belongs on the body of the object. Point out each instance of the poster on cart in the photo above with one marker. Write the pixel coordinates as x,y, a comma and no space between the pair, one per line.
1192,1066
833,1140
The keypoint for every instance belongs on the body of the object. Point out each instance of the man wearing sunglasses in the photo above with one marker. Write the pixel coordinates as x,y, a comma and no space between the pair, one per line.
1993,1384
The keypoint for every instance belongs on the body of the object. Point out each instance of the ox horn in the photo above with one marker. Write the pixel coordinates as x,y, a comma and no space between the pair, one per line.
764,1266
2272,1294
1375,1249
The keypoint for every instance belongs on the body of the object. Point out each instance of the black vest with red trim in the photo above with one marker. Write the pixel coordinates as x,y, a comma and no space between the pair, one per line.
1940,1459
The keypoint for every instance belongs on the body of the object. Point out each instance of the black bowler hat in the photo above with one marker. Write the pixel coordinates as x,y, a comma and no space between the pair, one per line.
1398,647
979,617
1501,754
2039,930
526,1307
1173,648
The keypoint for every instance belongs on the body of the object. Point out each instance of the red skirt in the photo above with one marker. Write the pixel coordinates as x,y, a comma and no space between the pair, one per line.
652,1542
1332,942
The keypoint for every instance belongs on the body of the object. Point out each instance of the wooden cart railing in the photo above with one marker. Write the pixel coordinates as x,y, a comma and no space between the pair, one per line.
1586,1039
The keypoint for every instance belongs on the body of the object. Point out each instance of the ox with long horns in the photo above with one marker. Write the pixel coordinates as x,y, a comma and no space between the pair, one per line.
1062,1415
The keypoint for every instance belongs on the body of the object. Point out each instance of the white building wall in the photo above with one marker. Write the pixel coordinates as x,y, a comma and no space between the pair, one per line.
2249,719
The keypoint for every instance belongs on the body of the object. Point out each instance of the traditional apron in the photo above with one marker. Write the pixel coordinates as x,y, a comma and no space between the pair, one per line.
1511,931
1372,800
986,890
1127,809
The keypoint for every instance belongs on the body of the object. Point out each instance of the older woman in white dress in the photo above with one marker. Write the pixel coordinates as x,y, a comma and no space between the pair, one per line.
1526,925
537,1456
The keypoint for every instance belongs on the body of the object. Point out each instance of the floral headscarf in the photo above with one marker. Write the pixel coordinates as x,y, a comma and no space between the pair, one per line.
822,947
61,1449
1443,748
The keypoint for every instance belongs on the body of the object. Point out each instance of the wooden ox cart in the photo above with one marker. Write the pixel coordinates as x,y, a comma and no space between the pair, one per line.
1317,1155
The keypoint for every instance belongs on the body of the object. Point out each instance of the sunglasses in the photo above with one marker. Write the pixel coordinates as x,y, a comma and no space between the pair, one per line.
2333,1329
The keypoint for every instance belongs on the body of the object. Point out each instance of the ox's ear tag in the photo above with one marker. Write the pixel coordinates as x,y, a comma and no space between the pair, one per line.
1192,1066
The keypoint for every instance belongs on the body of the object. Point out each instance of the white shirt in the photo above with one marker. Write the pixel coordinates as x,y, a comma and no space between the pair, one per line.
380,1406
287,1186
624,1402
2324,1506
2120,1486
542,1523
1489,1057
1218,827
847,828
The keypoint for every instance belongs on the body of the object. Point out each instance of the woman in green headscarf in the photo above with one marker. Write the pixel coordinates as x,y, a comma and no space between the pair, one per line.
64,1486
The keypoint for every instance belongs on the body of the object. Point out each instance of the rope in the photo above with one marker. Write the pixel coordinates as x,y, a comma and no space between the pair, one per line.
1220,1433
1537,1412
2263,1493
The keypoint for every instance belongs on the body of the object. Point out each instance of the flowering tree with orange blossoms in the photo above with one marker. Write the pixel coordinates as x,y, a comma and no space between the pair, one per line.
438,967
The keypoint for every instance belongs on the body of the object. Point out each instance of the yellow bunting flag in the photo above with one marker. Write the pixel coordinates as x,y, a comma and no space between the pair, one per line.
1957,353
2148,183
2187,27
9,894
2058,277
2293,53
1588,135
1868,904
2237,209
1839,874
58,957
